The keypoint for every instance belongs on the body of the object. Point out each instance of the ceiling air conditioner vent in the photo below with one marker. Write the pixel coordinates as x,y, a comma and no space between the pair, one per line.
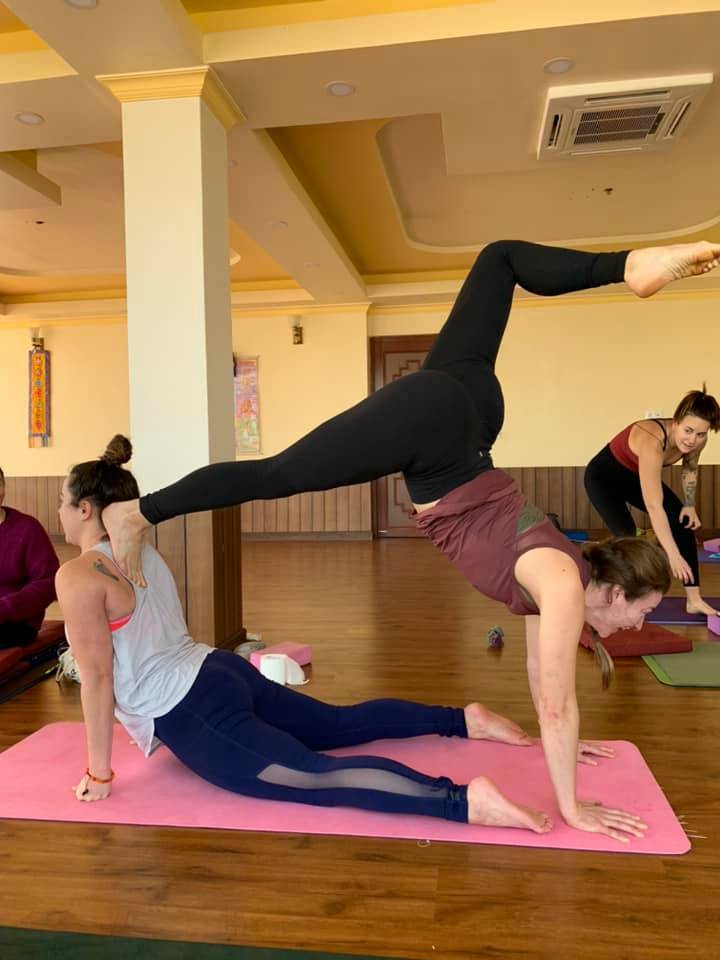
619,116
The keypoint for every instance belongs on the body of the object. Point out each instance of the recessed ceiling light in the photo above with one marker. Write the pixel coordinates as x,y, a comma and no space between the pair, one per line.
82,4
559,65
30,119
339,88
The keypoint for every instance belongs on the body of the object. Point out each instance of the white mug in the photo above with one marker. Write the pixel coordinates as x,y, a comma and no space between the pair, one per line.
282,669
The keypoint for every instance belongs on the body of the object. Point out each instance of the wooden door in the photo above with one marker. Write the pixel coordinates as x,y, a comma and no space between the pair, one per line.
393,357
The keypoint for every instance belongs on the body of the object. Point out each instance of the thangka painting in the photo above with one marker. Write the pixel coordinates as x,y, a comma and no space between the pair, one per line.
247,428
39,398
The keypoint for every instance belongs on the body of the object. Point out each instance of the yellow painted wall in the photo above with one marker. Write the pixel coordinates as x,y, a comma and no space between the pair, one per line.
89,396
300,386
573,372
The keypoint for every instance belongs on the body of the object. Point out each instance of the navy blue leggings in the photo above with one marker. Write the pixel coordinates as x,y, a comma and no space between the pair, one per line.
437,426
250,735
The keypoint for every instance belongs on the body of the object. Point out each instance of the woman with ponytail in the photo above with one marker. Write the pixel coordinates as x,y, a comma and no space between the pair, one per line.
628,470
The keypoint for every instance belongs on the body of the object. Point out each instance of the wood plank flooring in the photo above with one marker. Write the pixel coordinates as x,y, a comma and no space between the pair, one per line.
392,618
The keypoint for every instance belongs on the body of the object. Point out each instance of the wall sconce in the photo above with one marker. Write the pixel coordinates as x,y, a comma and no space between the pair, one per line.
297,330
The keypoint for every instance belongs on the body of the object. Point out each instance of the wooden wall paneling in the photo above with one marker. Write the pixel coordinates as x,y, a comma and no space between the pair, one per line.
555,492
238,575
541,487
270,516
365,506
355,507
342,509
525,478
200,595
43,505
281,517
305,513
582,505
294,512
170,543
247,516
258,518
318,511
331,510
568,512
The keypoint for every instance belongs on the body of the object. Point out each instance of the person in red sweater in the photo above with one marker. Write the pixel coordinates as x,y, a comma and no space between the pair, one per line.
28,565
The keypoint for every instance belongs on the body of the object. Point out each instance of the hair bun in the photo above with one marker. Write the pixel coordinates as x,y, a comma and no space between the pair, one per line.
118,451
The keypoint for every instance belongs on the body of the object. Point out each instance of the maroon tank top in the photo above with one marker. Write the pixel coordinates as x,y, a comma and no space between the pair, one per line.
620,446
484,526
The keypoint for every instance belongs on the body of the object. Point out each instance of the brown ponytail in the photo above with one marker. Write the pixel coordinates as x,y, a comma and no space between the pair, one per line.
104,481
635,564
699,403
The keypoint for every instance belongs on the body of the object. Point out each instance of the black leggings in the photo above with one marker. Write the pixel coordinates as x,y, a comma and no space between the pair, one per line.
437,426
611,487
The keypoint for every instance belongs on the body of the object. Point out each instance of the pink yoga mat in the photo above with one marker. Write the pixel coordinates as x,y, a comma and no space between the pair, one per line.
36,776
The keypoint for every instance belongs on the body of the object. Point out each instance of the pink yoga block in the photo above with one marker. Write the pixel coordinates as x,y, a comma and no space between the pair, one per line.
299,652
714,624
712,546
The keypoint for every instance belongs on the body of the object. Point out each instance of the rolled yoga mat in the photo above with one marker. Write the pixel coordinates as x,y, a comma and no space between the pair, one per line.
36,776
672,610
699,668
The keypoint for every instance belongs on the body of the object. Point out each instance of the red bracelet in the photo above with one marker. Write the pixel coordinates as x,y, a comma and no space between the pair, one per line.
97,779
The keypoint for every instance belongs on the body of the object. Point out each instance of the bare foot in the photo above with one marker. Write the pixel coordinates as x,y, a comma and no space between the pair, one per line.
699,606
650,269
482,724
489,808
126,528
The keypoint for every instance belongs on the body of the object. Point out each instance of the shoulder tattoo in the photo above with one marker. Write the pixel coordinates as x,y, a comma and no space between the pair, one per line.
99,565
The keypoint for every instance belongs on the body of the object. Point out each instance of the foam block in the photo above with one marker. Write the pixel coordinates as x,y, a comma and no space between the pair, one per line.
714,624
637,643
299,652
712,546
160,791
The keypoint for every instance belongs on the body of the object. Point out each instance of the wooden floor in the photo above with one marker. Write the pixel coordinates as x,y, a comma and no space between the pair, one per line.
392,618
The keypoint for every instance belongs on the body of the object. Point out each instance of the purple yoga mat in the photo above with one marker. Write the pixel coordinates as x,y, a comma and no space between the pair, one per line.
708,556
672,610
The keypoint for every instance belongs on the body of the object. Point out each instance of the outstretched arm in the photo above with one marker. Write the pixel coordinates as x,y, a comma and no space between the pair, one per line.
82,599
551,578
688,480
650,461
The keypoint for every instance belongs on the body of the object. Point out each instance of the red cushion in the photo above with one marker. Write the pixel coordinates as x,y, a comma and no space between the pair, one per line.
51,632
8,659
637,643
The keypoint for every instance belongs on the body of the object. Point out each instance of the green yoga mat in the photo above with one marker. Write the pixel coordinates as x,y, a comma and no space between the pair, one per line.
699,668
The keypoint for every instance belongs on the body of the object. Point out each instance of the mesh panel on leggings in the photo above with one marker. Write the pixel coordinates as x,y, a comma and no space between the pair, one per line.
356,778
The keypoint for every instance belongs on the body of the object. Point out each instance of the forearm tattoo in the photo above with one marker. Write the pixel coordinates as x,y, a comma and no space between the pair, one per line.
688,479
99,565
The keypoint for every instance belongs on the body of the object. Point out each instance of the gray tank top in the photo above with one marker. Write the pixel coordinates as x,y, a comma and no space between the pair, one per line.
155,660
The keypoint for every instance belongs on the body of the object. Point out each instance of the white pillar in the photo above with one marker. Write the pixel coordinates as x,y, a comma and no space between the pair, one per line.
178,292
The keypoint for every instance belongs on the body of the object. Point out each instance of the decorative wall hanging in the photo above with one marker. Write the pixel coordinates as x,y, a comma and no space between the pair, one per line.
245,380
39,395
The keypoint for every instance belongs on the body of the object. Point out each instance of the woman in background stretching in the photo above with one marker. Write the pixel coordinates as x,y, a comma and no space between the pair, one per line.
629,471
